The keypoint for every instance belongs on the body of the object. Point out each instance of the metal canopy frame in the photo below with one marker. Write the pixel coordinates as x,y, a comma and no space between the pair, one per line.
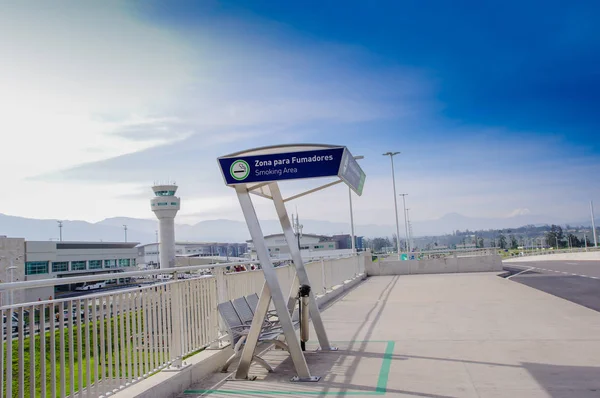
271,289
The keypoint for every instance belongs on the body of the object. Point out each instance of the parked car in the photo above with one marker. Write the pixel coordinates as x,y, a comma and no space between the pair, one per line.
68,316
14,322
92,286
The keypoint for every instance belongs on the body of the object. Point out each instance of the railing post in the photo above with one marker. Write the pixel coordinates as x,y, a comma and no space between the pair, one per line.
323,276
176,324
222,295
221,284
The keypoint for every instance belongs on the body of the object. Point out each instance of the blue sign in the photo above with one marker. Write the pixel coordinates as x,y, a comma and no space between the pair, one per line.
282,166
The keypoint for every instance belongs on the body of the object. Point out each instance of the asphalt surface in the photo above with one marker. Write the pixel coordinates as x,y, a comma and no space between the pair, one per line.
576,281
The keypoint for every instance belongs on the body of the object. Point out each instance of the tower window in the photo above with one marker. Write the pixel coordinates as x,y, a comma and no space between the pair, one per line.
165,193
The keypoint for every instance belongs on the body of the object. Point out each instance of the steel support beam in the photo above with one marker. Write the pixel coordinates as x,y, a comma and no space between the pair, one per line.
271,290
288,232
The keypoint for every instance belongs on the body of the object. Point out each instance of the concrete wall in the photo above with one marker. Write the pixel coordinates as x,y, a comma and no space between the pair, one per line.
12,249
435,266
585,256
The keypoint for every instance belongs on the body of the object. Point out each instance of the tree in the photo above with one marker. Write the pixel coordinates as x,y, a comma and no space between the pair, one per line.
574,241
554,237
480,244
502,241
513,242
380,243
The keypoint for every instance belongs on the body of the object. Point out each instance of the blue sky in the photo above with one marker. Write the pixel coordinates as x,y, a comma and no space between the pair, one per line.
493,106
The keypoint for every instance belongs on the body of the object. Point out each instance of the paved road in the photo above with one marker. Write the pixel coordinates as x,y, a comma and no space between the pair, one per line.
576,281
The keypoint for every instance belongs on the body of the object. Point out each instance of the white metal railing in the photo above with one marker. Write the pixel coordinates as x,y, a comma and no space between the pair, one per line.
439,253
99,343
545,251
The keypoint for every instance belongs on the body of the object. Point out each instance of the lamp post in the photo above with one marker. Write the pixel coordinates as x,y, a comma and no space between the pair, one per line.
391,155
157,250
409,231
352,237
593,223
298,227
60,225
10,275
405,220
125,230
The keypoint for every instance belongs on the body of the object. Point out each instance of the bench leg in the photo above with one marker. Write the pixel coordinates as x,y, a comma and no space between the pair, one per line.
228,363
236,352
263,363
281,344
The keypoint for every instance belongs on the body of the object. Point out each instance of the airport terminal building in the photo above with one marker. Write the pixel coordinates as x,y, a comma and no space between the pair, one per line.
149,257
22,260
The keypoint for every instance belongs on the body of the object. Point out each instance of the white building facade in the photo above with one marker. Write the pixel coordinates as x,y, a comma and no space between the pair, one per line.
36,260
149,254
309,245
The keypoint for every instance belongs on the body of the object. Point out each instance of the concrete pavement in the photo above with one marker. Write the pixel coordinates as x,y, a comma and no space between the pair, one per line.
449,335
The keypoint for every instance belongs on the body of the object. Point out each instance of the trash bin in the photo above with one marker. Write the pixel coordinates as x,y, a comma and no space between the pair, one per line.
303,297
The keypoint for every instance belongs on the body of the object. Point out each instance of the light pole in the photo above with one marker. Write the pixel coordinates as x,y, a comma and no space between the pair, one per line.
405,219
157,249
298,227
125,230
352,237
391,155
11,276
60,230
409,231
593,223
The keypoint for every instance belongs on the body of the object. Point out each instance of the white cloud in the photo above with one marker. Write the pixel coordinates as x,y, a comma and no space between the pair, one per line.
519,212
100,103
63,67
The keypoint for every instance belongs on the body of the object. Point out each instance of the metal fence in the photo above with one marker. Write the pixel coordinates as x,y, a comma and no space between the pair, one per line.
544,251
437,253
92,345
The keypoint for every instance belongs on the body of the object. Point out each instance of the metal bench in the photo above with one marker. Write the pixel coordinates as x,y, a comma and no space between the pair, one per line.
271,319
238,331
252,301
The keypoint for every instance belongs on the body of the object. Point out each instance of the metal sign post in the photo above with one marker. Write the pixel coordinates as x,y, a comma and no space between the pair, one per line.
257,171
288,232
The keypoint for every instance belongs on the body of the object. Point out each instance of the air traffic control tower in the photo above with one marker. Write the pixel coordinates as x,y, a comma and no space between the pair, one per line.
166,205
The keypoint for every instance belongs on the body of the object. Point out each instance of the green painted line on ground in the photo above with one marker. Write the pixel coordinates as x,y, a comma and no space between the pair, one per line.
384,373
265,392
381,388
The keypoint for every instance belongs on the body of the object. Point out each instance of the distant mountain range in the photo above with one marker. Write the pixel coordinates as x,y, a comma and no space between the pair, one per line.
143,230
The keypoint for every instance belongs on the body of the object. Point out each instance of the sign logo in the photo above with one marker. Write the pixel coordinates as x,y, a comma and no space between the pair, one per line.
239,170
